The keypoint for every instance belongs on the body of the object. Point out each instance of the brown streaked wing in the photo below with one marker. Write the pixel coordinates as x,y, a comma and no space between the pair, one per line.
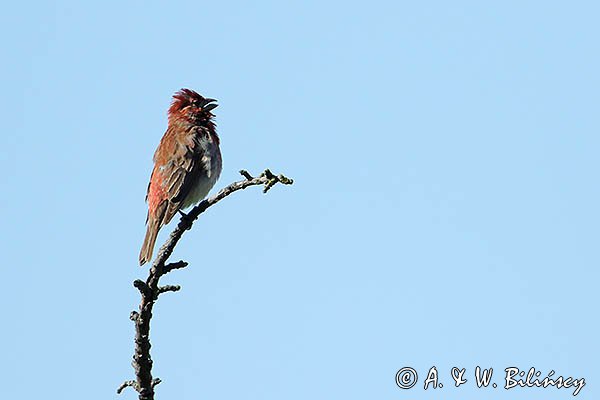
184,172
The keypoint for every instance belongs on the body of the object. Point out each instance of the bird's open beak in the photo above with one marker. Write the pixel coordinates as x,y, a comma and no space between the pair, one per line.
209,105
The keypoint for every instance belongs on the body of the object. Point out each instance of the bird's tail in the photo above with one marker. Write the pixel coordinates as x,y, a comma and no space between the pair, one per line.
149,241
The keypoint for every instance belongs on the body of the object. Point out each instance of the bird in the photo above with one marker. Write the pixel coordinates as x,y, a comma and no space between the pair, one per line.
187,163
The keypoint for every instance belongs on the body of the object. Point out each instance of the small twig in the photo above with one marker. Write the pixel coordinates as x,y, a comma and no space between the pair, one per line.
246,174
169,288
272,180
126,384
149,290
176,265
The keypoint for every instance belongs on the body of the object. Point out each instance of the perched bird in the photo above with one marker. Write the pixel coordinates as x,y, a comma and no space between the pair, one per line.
187,163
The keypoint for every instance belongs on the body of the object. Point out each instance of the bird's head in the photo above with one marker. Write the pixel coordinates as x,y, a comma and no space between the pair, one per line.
191,106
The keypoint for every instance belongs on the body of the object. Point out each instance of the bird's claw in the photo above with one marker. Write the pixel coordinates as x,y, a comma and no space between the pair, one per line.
185,218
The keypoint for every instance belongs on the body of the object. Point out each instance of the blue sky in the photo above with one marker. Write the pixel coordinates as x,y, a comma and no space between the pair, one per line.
444,211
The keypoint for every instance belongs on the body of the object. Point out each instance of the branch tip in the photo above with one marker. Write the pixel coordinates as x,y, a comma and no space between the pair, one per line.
126,384
176,265
246,174
285,180
169,288
272,180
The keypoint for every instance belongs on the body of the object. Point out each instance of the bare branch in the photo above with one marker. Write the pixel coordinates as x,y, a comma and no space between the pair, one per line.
176,265
150,289
246,174
127,384
168,288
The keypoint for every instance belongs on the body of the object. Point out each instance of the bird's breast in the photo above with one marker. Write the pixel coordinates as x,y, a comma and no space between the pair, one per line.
210,158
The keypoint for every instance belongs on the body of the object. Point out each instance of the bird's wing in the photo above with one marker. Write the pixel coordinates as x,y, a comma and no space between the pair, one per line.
181,173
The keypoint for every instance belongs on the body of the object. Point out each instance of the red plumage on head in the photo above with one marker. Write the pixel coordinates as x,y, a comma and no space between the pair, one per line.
182,99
